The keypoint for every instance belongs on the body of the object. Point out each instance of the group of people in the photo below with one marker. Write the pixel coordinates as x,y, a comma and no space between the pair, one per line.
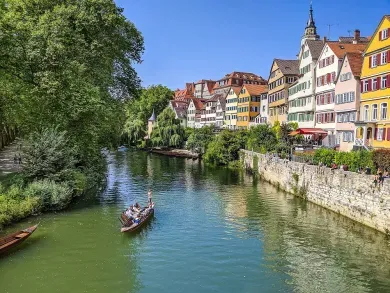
135,212
380,176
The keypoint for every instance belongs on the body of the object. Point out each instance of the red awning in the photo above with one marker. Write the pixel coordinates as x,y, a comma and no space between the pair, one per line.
311,131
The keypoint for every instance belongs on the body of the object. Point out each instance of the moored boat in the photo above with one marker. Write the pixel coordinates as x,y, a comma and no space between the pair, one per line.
12,240
131,226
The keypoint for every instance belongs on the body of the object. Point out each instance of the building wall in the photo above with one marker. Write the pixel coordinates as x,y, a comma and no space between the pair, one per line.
347,86
350,194
307,78
231,110
379,96
191,112
243,118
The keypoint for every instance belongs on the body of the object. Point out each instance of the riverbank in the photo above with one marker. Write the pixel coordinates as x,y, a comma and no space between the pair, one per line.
353,195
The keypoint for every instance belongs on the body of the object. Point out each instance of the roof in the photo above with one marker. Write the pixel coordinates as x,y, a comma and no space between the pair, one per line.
153,117
341,48
181,112
315,47
203,81
210,86
244,75
215,98
256,89
198,103
184,94
351,39
355,62
222,101
237,89
288,66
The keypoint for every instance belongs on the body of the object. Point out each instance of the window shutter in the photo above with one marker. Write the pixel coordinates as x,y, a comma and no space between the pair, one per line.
378,59
362,86
378,83
384,134
388,56
388,81
370,85
388,134
376,134
380,36
370,62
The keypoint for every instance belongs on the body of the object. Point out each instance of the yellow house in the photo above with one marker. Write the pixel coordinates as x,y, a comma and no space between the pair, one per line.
373,127
282,74
248,106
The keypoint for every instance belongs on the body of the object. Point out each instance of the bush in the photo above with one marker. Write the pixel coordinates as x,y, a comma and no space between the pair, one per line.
381,158
51,195
326,156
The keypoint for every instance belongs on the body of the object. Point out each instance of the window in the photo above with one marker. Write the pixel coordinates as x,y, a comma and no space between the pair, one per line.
384,82
379,134
347,136
383,111
373,61
384,34
366,109
365,86
384,58
375,112
374,84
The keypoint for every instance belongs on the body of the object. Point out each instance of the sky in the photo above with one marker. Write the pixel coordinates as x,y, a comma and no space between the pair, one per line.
186,41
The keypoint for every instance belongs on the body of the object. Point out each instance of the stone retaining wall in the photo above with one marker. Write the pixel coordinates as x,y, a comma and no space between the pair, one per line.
350,194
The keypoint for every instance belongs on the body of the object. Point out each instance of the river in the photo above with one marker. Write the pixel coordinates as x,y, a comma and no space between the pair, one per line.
214,230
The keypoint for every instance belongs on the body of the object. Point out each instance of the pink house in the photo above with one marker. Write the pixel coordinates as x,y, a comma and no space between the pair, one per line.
347,99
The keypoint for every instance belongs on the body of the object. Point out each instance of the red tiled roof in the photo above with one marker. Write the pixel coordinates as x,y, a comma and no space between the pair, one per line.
256,89
355,62
236,89
341,48
198,103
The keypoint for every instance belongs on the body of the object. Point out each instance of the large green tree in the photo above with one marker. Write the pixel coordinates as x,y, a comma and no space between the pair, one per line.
261,138
68,63
154,98
168,131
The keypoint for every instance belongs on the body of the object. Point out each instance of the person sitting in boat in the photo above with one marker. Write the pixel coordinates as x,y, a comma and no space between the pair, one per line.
137,207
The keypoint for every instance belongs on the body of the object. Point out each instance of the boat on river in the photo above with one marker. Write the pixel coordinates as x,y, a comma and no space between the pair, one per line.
12,240
130,226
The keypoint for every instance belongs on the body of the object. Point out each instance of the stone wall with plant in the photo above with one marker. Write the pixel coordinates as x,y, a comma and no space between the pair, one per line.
353,195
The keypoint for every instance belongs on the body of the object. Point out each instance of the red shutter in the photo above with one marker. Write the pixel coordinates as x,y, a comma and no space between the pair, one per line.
388,56
370,85
362,86
378,82
384,134
370,62
388,81
380,36
378,59
388,134
376,133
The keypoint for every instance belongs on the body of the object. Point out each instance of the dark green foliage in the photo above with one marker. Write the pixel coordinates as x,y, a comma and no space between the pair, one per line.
261,138
324,156
381,158
225,147
199,139
168,132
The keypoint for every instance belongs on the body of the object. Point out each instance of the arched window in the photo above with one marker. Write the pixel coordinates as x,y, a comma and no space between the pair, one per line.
375,112
366,109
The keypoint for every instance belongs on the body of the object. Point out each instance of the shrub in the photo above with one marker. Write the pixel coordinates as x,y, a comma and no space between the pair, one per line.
52,195
381,158
326,156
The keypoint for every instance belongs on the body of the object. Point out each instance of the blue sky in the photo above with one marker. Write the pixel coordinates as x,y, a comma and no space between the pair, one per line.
190,40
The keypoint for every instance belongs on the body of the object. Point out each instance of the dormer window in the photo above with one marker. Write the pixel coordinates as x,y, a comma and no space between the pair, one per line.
384,34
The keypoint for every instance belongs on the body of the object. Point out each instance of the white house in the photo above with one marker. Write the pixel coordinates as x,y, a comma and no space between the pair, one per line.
193,112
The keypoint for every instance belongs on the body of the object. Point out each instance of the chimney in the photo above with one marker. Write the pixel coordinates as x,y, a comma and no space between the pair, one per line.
356,37
325,39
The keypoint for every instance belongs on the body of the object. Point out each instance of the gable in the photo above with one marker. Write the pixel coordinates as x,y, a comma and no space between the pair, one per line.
375,42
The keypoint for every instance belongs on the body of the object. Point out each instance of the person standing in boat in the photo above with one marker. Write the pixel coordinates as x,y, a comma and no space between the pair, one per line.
150,197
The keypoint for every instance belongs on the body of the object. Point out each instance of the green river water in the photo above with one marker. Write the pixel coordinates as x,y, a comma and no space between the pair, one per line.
214,230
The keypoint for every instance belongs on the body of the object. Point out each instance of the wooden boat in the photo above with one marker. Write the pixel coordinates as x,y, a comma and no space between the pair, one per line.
136,226
16,238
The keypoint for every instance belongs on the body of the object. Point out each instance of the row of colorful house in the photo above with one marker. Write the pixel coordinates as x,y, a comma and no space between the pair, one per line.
341,87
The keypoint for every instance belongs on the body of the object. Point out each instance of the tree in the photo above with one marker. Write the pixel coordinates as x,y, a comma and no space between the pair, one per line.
68,63
154,98
135,130
225,147
168,131
261,138
199,139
